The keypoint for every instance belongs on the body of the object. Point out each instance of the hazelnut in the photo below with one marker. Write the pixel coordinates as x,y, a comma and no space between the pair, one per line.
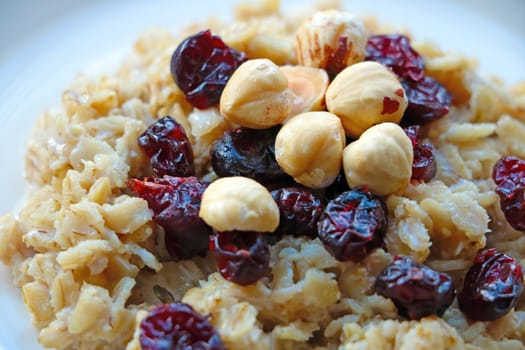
366,94
239,203
331,40
257,95
309,147
381,158
308,85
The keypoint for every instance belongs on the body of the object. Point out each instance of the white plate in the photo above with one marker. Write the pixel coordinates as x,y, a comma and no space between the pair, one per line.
44,46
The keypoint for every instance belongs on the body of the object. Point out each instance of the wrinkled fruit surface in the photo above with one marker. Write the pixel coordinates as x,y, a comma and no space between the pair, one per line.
492,286
509,175
299,211
353,224
395,52
424,165
247,152
175,202
168,148
428,101
242,257
202,65
178,326
416,290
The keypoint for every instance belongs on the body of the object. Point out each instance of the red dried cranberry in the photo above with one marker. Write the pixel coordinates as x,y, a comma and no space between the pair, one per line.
202,65
509,175
299,211
416,290
242,257
178,326
428,101
175,201
492,286
248,152
424,166
394,51
353,224
337,187
168,148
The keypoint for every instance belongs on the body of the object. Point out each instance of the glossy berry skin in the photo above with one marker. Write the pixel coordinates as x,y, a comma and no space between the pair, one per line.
395,52
424,165
202,65
492,286
248,152
242,257
177,326
415,289
509,175
175,202
299,211
168,148
353,224
428,101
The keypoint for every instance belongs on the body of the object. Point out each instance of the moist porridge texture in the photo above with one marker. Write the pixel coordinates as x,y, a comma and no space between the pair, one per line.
88,256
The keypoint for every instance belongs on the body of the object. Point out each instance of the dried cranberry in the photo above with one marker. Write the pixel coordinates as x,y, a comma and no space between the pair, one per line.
509,175
175,201
242,257
428,101
353,224
299,211
492,286
394,51
424,166
168,148
416,290
202,65
337,187
248,152
178,326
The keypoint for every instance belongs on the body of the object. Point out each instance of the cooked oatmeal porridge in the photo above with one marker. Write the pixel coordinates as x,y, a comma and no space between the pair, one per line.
284,181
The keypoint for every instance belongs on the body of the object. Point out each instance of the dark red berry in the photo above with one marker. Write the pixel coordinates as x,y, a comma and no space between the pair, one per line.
337,187
175,202
248,152
353,224
299,211
178,326
492,286
202,65
242,257
509,175
424,166
428,101
168,148
416,290
395,52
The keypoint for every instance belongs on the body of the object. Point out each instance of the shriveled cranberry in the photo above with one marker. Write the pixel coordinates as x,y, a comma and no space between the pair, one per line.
202,65
395,52
178,326
299,211
416,290
337,187
353,224
242,257
168,148
248,152
175,202
509,175
428,101
424,165
492,286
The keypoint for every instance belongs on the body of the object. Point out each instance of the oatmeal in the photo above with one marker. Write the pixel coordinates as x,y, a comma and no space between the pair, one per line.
359,191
